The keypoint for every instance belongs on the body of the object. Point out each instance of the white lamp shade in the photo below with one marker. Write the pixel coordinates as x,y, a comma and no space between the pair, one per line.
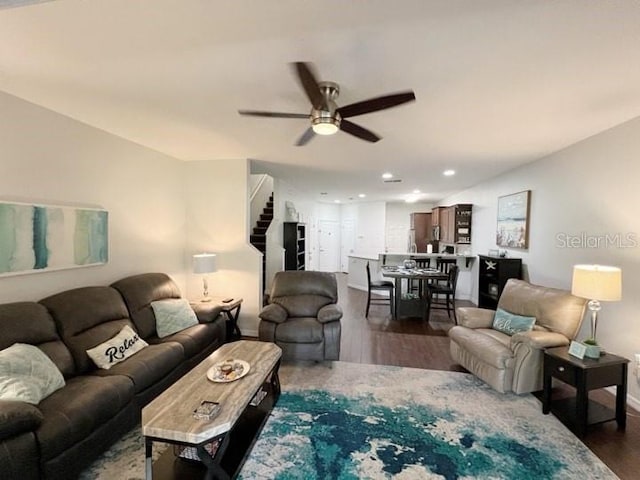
204,263
597,282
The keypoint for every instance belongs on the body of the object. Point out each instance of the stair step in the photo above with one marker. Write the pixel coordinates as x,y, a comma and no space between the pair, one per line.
259,230
267,210
264,223
269,205
258,238
266,216
262,247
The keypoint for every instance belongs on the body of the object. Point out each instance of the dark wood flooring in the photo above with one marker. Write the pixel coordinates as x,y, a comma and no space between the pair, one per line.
410,342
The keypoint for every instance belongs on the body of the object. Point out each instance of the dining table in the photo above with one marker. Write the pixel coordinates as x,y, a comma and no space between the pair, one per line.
407,303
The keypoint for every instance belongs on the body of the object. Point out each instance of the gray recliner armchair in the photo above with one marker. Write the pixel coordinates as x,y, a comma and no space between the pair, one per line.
515,363
303,317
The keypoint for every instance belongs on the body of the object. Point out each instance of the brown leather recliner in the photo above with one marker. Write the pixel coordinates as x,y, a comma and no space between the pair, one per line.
515,363
303,317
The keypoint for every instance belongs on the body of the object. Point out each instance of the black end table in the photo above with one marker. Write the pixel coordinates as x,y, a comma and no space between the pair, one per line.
232,310
588,374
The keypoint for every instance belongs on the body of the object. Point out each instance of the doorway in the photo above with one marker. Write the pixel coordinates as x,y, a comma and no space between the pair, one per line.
329,246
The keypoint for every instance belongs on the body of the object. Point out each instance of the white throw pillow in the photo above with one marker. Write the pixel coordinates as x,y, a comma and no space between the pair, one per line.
117,349
27,374
173,315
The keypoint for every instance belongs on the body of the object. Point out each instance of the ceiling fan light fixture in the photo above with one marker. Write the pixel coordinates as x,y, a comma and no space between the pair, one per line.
325,125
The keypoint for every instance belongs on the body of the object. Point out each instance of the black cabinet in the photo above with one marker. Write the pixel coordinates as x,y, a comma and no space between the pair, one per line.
493,273
462,219
294,243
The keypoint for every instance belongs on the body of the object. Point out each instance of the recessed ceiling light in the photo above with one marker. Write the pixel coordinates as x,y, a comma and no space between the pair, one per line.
336,201
411,199
387,175
448,173
416,191
362,195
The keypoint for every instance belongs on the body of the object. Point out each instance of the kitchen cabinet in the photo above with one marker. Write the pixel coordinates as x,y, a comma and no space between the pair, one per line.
455,223
444,225
435,216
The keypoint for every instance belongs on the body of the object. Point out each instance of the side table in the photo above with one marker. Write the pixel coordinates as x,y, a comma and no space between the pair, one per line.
231,310
585,375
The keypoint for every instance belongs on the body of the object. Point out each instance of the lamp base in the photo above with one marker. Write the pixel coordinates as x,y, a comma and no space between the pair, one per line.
205,299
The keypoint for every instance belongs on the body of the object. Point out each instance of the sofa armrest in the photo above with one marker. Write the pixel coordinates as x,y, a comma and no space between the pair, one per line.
540,339
329,313
18,417
274,313
472,317
206,312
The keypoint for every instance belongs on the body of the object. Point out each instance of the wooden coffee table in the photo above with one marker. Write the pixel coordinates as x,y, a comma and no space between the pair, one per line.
169,418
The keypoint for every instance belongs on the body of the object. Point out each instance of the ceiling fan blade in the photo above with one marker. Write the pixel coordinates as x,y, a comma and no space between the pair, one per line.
258,113
358,131
309,83
375,104
306,136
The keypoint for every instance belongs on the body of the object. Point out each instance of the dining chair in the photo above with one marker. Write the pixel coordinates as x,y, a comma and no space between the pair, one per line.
447,292
379,286
444,264
416,285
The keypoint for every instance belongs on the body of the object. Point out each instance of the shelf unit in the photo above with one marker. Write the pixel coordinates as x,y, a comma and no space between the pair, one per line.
294,243
493,273
462,221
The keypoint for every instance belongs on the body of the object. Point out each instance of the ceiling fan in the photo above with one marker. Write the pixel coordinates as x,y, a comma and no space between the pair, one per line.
326,117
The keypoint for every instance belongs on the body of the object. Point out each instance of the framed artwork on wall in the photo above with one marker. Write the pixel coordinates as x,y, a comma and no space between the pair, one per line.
513,220
37,238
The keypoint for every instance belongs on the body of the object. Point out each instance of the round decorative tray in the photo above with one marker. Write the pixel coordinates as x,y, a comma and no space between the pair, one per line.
228,370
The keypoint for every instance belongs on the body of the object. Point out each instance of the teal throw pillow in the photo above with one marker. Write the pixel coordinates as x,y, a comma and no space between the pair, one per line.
511,324
172,316
27,374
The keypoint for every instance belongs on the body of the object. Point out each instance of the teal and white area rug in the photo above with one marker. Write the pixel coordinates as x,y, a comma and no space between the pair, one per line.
350,421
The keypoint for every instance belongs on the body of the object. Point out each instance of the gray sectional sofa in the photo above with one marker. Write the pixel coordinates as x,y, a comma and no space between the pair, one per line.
62,434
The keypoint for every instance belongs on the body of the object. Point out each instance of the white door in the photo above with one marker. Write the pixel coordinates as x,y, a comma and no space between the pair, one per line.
329,243
348,242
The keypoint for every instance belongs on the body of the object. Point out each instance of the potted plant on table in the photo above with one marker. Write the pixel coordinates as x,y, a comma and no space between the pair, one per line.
593,349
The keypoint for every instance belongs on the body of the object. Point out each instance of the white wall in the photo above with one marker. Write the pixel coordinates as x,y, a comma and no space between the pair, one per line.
369,219
587,190
399,222
218,221
52,159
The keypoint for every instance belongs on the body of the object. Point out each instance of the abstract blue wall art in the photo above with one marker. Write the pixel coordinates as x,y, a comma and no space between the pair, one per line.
36,238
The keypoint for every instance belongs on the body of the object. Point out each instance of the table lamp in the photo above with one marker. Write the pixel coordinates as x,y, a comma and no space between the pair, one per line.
204,263
597,283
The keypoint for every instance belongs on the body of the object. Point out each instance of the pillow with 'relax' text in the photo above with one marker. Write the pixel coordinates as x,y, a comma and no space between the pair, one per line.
117,349
511,324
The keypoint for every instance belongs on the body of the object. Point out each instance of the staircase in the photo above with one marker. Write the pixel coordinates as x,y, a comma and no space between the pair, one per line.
259,237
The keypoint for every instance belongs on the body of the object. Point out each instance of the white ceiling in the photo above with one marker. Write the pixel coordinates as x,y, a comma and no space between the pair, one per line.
498,83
